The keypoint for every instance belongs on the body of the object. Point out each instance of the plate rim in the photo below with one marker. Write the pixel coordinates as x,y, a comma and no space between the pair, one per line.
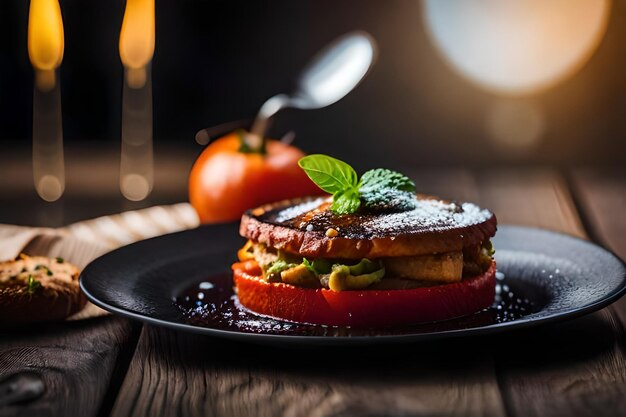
266,338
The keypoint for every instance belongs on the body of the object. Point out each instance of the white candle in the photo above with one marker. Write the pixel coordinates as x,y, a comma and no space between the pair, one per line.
136,50
45,50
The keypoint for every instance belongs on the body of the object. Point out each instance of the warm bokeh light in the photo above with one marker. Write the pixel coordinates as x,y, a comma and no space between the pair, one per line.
516,47
136,51
137,40
135,187
45,40
50,188
48,159
515,124
136,163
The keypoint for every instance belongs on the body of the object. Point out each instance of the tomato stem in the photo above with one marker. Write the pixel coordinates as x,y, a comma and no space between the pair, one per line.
250,143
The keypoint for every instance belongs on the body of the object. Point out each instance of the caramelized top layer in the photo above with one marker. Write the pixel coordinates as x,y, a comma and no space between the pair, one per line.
308,227
429,215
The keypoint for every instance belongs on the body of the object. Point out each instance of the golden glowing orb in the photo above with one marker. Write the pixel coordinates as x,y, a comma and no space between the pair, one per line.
516,47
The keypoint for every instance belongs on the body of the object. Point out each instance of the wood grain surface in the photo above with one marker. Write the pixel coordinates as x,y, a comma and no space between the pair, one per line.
553,370
601,196
577,368
184,374
76,360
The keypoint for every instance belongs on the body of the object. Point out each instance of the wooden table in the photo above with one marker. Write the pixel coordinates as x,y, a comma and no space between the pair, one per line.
112,366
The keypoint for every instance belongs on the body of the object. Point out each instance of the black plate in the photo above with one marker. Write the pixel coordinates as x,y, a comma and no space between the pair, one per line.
543,277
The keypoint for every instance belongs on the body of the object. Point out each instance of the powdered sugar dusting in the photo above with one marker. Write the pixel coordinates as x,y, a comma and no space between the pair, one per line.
429,215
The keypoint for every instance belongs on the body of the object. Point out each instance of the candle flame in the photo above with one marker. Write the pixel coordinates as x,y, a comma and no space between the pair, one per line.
137,40
45,40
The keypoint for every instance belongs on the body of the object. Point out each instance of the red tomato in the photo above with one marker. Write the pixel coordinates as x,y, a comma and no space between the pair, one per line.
363,308
224,182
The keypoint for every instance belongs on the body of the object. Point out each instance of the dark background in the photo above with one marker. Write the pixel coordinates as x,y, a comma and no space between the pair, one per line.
217,61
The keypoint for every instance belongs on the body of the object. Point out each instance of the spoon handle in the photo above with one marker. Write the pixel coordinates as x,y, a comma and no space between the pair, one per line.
261,122
204,136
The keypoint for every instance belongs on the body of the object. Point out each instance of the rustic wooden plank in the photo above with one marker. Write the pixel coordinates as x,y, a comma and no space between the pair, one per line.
183,374
601,194
76,360
452,183
575,368
534,197
191,375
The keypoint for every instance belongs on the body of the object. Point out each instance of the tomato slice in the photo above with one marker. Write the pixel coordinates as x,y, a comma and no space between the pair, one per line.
363,308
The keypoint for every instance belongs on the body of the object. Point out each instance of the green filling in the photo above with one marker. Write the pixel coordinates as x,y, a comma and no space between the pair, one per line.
271,272
355,277
322,266
365,267
337,276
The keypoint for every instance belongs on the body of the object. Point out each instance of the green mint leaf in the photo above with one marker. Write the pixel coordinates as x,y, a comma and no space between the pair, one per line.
388,200
346,202
33,284
330,174
380,190
380,178
383,190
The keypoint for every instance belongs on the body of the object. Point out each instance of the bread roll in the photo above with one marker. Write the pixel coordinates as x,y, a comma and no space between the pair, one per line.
38,289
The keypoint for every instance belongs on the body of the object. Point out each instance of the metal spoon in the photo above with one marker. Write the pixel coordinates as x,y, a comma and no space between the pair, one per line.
330,75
